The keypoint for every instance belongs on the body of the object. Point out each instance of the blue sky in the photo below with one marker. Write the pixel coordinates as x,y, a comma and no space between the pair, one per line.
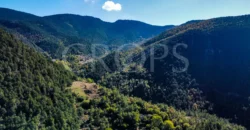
157,12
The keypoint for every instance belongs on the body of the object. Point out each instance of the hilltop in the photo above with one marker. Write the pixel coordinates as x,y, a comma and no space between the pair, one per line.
51,34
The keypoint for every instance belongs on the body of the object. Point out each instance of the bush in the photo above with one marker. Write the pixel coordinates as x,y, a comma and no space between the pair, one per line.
186,126
169,125
156,121
89,80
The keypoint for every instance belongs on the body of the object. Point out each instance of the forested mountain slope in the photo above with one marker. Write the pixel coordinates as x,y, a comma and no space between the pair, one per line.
35,94
52,34
102,108
32,89
217,55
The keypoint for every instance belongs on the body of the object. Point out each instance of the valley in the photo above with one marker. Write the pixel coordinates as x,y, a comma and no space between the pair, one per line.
71,72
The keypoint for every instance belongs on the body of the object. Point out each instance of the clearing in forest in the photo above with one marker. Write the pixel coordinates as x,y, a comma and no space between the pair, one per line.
84,89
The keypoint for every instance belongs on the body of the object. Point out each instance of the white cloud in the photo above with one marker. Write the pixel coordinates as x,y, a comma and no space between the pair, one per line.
111,6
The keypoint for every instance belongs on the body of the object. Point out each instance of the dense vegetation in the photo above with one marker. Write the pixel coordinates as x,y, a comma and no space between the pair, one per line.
112,110
217,50
33,93
32,90
178,90
52,34
218,56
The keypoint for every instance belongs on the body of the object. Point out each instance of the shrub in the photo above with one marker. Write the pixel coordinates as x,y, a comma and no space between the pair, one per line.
186,126
89,80
168,125
156,121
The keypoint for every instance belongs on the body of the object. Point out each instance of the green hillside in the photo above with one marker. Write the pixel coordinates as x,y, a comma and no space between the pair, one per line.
35,90
112,110
217,51
32,90
34,95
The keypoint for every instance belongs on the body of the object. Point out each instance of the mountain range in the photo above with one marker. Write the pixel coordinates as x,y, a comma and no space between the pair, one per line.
53,33
35,92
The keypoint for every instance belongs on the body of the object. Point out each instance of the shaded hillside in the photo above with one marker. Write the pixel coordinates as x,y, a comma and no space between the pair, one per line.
219,47
32,89
218,53
53,33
